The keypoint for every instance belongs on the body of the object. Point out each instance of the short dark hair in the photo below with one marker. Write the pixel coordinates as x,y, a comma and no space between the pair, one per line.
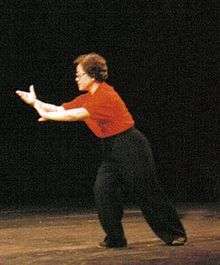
94,65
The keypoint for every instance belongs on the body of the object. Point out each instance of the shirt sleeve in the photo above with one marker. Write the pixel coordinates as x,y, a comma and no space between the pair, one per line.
75,103
101,107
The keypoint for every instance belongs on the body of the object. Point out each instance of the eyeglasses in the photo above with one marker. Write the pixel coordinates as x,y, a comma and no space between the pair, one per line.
80,75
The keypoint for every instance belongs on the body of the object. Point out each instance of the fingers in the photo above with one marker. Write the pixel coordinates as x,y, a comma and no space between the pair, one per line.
19,92
26,97
31,88
32,91
41,119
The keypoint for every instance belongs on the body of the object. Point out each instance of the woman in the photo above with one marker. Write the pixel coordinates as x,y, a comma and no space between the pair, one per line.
127,158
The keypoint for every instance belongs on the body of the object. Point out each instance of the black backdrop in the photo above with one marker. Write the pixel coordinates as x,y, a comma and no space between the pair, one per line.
161,57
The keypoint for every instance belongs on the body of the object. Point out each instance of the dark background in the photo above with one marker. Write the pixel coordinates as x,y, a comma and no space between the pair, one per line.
162,61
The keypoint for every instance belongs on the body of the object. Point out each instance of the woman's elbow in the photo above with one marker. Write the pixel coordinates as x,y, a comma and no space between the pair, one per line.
77,115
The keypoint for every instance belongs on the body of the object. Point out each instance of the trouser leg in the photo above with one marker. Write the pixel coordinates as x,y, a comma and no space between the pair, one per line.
108,202
160,214
140,175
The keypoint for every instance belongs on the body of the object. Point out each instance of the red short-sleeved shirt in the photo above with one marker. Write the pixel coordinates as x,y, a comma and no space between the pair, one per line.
108,113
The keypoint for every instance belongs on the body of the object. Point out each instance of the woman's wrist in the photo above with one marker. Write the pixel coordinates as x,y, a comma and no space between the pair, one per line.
34,104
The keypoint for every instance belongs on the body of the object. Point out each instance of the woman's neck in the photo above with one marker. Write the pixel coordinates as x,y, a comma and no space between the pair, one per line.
93,87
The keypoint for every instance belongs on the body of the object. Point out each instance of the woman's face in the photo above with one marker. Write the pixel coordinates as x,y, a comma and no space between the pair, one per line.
83,80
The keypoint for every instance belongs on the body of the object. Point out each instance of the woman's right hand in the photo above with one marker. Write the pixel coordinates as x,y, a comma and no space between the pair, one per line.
28,97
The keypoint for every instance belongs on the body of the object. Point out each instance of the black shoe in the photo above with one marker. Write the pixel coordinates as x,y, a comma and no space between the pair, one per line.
113,244
179,241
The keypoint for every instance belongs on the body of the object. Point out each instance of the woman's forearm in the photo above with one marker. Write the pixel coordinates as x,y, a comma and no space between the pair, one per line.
64,115
58,116
40,105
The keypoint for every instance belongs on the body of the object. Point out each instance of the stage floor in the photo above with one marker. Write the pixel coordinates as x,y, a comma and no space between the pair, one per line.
61,237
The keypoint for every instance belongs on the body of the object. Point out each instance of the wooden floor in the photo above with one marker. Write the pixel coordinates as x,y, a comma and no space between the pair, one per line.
59,237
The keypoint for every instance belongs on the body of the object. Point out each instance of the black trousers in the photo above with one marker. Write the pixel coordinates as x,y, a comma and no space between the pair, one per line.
128,165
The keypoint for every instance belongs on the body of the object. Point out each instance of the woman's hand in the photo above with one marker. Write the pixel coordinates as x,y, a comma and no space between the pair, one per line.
41,119
28,97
